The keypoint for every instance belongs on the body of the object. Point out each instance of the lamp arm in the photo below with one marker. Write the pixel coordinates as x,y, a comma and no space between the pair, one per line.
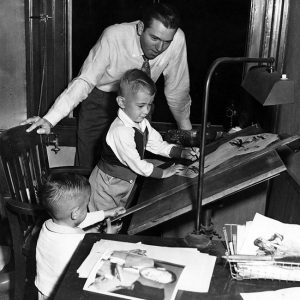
212,68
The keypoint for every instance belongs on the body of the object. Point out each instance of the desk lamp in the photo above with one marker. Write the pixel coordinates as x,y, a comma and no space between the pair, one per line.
269,88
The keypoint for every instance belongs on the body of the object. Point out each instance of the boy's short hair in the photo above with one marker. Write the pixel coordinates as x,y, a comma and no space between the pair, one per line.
136,80
58,193
164,13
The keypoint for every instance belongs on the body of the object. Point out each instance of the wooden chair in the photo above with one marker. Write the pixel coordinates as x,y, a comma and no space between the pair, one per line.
26,165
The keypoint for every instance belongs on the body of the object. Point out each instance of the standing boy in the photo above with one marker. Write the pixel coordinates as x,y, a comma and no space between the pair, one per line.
130,134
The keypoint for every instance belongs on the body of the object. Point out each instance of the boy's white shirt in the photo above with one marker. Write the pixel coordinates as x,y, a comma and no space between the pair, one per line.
55,247
120,138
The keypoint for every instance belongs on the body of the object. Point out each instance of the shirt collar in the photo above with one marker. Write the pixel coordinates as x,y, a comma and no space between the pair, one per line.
51,226
129,123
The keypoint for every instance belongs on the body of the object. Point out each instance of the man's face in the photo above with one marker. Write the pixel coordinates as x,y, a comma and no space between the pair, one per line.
156,39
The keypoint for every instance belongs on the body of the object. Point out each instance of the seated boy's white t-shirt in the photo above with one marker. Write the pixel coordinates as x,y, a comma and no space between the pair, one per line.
55,247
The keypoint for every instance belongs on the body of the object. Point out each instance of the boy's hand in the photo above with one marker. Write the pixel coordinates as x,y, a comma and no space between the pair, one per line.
114,212
190,153
172,170
112,229
95,229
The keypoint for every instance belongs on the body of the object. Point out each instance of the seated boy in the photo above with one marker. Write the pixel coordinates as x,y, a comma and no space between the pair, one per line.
65,196
129,135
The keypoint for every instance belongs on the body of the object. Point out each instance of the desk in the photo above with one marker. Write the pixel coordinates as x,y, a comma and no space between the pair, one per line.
222,285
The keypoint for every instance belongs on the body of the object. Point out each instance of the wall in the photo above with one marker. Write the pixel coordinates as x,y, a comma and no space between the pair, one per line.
12,63
289,116
12,71
284,201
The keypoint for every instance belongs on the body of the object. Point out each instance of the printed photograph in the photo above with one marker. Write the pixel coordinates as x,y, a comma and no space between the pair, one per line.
133,275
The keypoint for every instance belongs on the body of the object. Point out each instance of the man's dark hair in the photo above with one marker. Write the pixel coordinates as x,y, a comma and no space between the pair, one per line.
166,14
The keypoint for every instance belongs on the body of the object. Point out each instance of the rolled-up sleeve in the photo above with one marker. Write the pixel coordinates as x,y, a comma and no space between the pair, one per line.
177,80
92,218
80,87
156,144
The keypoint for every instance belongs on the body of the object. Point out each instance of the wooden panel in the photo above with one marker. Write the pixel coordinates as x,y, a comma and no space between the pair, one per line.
179,193
233,209
289,121
284,203
284,196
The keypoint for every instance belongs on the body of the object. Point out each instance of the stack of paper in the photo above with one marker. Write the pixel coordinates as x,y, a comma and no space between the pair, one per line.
282,294
277,245
195,277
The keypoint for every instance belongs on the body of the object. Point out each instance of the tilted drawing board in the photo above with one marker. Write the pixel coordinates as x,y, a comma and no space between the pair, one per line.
165,199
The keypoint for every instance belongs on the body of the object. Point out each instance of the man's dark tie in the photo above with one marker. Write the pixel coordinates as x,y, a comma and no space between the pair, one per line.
146,66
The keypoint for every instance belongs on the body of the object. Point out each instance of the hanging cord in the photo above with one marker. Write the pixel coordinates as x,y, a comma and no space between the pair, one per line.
44,20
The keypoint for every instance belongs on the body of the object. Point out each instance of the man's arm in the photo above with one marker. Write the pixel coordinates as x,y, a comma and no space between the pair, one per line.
78,89
177,82
182,117
64,104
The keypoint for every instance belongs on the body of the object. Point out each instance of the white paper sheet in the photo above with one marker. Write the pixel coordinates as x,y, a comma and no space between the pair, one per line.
283,294
196,276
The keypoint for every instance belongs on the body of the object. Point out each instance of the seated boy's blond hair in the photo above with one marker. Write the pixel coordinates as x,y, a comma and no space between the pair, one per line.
58,193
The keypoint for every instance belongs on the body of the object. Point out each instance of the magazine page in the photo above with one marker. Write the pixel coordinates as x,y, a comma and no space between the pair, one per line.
133,275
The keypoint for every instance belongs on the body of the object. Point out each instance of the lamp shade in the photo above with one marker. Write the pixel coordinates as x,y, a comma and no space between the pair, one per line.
268,88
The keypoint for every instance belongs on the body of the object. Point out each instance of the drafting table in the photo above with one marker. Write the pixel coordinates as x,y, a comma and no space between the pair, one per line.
171,197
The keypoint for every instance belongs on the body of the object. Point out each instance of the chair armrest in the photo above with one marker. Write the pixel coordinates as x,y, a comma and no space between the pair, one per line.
23,208
71,169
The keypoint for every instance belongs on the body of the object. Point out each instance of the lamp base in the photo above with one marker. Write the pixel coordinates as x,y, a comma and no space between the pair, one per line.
198,240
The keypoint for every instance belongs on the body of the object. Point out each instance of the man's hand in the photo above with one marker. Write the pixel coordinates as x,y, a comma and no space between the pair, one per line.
44,126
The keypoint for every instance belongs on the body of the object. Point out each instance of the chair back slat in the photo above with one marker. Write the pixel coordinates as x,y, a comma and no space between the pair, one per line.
39,169
9,177
43,155
28,175
12,178
20,183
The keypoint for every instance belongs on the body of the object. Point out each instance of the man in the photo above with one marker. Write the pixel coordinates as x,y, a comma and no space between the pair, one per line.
156,42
